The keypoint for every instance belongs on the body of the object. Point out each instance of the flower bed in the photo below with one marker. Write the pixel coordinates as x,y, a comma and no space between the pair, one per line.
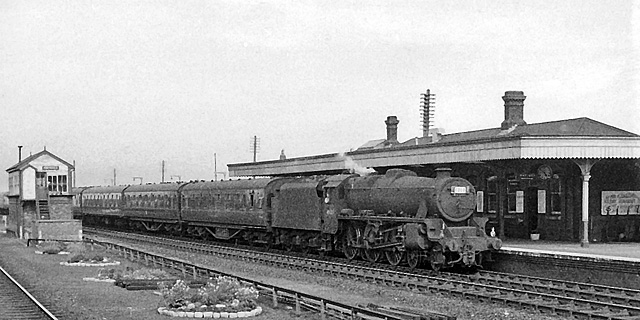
221,297
91,263
82,257
52,247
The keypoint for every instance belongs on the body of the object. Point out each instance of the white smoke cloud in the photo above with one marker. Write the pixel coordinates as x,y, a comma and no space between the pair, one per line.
353,167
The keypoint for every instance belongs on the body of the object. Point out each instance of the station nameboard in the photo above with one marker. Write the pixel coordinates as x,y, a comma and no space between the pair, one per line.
620,203
50,167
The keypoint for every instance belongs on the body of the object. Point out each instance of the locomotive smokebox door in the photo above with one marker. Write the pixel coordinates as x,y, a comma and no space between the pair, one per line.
456,199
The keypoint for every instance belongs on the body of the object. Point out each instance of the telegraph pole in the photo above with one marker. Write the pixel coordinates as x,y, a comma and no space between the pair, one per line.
114,176
427,111
162,170
74,173
255,146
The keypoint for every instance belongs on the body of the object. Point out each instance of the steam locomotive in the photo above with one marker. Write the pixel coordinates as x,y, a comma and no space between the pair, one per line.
396,216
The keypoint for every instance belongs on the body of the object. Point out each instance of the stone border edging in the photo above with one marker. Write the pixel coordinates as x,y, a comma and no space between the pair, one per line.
87,264
99,280
61,252
210,314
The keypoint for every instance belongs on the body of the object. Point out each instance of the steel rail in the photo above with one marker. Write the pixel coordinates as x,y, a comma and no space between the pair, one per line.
13,302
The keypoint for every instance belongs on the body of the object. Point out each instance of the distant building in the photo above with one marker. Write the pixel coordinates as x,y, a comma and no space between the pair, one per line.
40,198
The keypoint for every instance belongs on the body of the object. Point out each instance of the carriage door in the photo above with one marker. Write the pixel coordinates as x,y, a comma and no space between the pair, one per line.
42,192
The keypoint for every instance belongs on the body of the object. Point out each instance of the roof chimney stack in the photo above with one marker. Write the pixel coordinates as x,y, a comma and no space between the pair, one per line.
392,129
513,109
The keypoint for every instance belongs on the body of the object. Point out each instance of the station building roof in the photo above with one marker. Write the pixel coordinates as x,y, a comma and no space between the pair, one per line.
579,138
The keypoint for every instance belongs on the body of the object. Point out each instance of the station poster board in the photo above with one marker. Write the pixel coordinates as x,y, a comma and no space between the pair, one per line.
620,203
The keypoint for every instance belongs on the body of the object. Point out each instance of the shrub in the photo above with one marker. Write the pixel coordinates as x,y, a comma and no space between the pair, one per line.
52,247
76,257
76,248
144,273
107,273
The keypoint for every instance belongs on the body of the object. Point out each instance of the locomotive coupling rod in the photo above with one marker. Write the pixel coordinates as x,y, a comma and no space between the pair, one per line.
384,246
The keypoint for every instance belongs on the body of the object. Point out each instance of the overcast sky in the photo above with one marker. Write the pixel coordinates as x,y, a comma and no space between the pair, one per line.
128,84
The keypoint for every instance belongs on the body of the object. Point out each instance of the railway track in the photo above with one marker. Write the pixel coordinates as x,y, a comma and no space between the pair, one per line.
17,303
578,300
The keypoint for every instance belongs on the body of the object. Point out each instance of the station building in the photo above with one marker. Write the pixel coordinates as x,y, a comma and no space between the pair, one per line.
40,198
567,180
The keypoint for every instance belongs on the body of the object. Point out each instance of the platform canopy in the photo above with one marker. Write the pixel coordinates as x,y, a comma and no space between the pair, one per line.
580,138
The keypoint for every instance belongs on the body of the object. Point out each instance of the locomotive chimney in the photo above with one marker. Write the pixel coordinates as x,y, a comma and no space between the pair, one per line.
513,109
443,173
392,129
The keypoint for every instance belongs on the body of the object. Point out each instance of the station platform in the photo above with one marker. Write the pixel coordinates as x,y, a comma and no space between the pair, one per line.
611,264
621,251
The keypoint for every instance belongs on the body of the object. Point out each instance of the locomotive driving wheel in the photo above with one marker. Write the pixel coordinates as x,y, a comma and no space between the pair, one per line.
349,242
371,255
371,237
413,258
393,255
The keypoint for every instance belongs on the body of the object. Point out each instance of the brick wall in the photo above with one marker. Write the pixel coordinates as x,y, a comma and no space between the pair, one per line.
14,214
30,216
58,230
60,208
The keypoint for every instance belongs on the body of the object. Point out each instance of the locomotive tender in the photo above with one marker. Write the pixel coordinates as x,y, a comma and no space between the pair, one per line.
397,216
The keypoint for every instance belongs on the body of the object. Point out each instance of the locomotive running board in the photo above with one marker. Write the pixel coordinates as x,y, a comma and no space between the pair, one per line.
378,218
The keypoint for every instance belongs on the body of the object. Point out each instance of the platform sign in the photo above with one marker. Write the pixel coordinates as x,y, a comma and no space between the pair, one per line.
620,203
480,201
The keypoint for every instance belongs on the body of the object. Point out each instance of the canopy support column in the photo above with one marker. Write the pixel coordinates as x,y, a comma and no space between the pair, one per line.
585,168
